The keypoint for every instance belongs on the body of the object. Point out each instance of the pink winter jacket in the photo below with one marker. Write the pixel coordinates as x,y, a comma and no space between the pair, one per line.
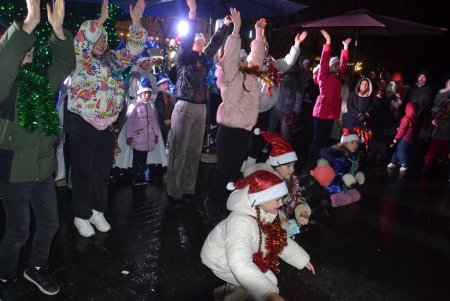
328,103
142,126
240,91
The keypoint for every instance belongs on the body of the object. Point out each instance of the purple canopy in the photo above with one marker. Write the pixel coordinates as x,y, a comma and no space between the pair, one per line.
363,22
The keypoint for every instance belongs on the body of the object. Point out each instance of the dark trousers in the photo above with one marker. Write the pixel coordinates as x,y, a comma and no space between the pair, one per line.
92,154
321,136
139,165
232,145
17,200
257,141
401,154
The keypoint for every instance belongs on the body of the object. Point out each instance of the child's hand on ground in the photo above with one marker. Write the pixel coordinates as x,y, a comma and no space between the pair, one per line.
310,267
303,219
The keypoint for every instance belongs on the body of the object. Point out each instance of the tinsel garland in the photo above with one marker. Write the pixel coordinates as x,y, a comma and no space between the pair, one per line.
272,76
364,134
275,242
35,102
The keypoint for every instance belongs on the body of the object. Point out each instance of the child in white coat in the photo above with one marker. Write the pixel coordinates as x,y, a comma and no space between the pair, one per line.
243,249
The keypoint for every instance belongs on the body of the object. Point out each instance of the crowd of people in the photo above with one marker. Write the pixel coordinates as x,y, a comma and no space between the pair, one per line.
267,106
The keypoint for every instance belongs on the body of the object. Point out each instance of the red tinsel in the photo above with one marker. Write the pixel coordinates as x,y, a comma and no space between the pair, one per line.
275,242
272,76
364,134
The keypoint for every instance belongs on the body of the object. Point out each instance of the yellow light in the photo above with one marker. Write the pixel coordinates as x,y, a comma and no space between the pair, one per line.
358,66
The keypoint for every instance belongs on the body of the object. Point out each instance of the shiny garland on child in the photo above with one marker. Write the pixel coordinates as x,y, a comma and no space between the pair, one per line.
275,242
364,134
272,76
35,102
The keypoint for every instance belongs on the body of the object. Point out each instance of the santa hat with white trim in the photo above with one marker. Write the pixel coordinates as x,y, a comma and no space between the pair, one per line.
263,185
281,151
348,136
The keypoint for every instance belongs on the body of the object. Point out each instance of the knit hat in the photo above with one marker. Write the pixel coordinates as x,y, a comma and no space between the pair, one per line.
243,54
348,136
334,60
199,36
162,78
281,151
143,56
144,85
263,185
323,173
391,87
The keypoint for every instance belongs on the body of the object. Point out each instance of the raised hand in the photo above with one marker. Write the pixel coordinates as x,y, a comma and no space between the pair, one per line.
346,42
137,11
259,29
192,6
56,17
33,17
299,38
326,36
236,18
103,13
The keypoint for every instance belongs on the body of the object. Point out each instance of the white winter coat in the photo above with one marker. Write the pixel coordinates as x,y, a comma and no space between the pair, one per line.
229,247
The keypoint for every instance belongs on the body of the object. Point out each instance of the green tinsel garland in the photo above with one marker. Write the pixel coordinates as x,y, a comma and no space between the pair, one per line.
36,104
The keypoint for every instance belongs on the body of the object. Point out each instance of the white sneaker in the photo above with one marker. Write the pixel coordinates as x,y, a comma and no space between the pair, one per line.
99,221
391,165
84,227
403,169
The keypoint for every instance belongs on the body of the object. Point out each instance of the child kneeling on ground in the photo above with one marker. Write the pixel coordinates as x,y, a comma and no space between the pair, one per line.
344,159
243,249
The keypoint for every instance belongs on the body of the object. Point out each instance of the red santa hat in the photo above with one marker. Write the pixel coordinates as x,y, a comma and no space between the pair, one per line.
263,185
281,151
348,136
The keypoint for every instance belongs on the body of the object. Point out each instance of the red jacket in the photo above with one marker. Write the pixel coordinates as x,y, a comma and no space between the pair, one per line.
405,130
328,103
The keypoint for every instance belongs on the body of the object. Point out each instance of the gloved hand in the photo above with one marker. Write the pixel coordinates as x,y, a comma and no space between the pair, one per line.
361,117
292,228
348,179
360,178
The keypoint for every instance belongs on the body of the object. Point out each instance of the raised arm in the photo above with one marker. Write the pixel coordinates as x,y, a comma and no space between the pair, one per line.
33,17
343,62
56,17
228,65
289,60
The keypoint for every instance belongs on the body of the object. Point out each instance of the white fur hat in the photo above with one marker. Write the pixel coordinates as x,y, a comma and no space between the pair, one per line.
334,60
348,136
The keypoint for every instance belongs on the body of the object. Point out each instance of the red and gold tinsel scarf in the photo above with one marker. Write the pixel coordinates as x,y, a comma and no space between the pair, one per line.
275,242
272,76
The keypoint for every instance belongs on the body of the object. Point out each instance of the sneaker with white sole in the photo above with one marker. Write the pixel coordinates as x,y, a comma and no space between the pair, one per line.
391,165
42,279
403,169
84,227
99,221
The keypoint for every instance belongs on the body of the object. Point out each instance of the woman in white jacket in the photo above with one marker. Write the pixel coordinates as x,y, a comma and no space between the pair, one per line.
236,250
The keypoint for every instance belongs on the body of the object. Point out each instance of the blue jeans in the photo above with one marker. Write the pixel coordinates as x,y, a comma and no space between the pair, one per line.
401,154
17,200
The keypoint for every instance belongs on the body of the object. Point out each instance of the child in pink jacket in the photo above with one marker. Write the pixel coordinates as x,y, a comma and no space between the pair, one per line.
237,79
142,130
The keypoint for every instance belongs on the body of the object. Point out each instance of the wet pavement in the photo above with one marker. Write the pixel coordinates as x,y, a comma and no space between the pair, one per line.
392,245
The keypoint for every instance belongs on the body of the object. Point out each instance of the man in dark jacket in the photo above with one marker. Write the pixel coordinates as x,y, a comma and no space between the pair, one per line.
27,157
422,95
189,115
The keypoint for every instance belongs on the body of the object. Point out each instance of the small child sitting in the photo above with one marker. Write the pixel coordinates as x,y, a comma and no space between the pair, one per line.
343,158
282,158
141,130
243,249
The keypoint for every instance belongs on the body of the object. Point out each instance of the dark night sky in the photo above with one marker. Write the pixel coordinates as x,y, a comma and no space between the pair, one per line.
406,54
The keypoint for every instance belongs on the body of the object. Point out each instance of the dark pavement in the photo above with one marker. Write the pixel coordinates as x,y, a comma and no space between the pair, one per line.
392,245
